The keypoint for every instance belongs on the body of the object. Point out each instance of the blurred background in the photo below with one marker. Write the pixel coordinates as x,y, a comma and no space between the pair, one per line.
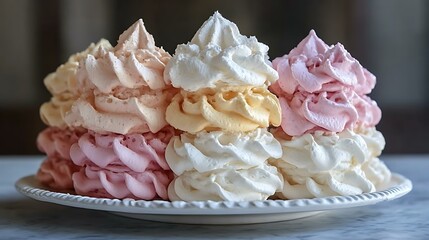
389,37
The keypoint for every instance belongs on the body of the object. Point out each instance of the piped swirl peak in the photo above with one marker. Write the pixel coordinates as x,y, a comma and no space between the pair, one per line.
218,31
123,89
219,55
310,46
135,37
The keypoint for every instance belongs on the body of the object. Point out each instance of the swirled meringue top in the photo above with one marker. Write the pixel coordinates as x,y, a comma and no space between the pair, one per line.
123,89
133,63
63,85
313,66
218,54
323,88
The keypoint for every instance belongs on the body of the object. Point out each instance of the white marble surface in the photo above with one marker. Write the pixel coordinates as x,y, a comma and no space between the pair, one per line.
404,218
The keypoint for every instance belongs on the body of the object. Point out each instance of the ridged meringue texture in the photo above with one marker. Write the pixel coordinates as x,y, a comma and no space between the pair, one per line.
313,66
110,113
305,112
229,108
223,166
56,142
323,87
217,55
208,151
63,85
121,166
57,169
133,152
115,183
226,184
224,107
123,88
319,164
56,173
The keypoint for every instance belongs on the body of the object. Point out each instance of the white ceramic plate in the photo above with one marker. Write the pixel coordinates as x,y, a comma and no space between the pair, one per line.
211,212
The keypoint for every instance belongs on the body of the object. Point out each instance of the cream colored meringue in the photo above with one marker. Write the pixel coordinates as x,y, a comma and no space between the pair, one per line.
374,169
108,113
377,172
319,165
374,140
229,108
134,62
217,55
63,85
226,184
124,88
208,151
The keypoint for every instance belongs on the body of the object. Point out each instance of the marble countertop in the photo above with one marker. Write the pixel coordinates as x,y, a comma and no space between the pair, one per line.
404,218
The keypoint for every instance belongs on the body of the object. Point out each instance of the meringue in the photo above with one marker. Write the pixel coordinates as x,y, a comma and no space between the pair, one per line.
219,55
123,88
226,184
208,151
319,165
232,108
63,85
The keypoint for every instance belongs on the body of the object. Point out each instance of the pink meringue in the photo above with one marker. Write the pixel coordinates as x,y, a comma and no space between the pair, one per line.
307,112
314,66
56,142
57,169
131,152
323,88
98,182
369,114
56,173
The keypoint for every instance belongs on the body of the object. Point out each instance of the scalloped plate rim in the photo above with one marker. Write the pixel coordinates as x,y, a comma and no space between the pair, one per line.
398,186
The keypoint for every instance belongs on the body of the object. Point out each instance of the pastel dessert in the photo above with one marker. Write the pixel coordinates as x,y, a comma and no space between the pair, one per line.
109,131
330,144
122,105
224,108
116,117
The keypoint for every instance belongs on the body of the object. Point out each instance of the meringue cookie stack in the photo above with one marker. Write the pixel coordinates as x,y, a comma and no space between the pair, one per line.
330,144
55,141
121,107
224,108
